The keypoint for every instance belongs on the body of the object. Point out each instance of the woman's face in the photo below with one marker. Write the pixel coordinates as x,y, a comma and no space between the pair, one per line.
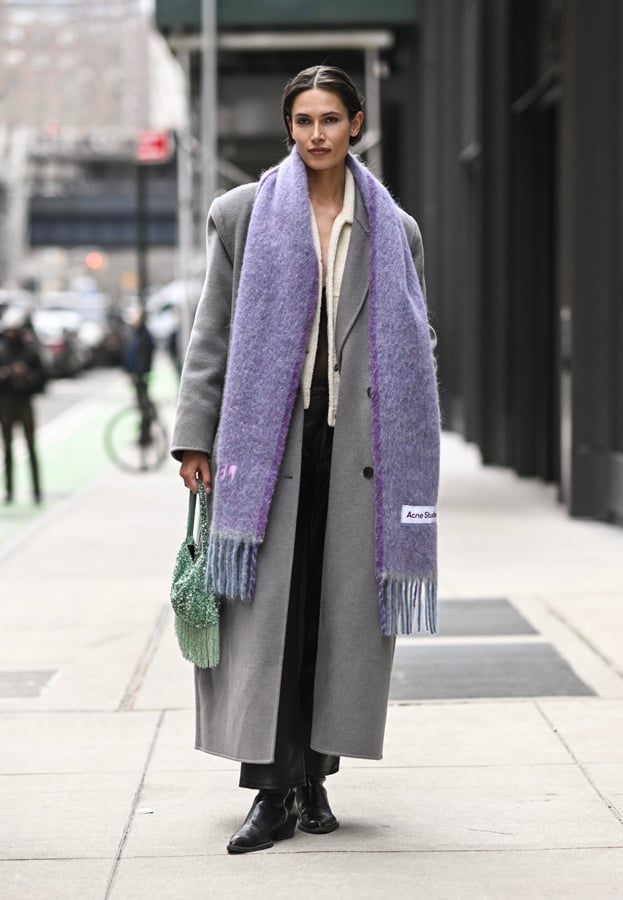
321,129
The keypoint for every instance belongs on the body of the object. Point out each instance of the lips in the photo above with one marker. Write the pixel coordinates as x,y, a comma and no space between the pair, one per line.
319,151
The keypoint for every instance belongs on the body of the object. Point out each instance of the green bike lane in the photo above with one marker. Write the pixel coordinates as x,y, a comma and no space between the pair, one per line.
71,449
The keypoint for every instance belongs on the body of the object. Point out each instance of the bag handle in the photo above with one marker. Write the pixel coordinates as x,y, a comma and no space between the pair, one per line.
203,515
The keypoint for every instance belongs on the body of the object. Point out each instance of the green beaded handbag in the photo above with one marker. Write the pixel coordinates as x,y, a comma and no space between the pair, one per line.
196,608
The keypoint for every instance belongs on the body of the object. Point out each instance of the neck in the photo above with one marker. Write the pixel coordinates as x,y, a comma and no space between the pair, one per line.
327,187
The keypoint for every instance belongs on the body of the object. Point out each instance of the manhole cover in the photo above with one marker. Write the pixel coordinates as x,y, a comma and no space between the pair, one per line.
458,618
469,671
24,683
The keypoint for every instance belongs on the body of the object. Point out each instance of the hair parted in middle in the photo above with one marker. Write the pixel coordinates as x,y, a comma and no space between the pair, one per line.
327,78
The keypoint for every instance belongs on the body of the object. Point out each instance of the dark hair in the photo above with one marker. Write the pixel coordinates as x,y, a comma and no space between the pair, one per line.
328,78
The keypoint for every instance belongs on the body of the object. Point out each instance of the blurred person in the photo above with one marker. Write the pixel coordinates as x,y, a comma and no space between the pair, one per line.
137,362
308,408
22,374
173,342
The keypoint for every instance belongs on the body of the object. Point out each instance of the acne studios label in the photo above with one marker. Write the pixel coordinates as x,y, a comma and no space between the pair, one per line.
418,515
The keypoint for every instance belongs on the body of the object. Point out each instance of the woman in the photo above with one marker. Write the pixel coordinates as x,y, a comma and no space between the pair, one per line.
308,406
22,375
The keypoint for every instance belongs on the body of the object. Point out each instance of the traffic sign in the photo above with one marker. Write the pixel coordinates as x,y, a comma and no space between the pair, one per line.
153,146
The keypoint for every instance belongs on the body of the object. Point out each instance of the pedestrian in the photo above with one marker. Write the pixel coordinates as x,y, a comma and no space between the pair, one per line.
308,407
22,374
173,343
137,362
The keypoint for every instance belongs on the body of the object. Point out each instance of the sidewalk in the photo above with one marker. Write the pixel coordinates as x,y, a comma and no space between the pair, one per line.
503,769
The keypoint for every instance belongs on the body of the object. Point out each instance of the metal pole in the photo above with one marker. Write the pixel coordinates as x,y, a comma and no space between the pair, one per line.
184,208
374,155
17,193
209,121
141,232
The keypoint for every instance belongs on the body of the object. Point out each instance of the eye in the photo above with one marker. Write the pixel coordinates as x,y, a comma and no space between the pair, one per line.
301,120
331,120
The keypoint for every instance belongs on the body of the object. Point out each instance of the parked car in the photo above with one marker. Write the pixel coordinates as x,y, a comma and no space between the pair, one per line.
103,330
100,329
170,311
64,352
17,298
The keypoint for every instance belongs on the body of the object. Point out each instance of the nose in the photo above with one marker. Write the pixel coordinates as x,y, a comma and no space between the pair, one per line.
317,134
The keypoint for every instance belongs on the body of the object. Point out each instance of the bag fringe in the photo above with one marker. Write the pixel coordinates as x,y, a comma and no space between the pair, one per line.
232,563
408,605
200,646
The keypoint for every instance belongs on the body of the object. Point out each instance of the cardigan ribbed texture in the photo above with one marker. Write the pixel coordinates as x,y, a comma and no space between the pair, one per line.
339,242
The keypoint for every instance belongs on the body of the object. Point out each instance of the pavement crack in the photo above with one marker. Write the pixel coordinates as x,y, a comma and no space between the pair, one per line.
604,799
135,801
582,637
491,831
142,667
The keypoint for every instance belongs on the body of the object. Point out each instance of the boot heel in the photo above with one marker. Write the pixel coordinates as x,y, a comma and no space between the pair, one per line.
286,831
259,829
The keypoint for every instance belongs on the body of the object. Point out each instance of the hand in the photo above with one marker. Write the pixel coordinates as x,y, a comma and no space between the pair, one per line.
196,467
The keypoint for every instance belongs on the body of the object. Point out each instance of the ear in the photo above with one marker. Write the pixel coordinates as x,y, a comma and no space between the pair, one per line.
356,123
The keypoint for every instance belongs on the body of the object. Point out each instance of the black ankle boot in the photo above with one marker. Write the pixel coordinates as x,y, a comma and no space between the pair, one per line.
271,818
315,816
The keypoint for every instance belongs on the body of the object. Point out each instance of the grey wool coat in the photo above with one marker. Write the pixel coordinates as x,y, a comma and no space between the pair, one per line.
237,702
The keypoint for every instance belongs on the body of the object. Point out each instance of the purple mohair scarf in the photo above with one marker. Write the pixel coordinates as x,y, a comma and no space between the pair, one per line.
275,307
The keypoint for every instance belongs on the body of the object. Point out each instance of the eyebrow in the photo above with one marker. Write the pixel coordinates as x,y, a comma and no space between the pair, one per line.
332,112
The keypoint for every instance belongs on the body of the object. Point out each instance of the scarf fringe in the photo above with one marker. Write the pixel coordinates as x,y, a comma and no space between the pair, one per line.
232,564
200,646
408,604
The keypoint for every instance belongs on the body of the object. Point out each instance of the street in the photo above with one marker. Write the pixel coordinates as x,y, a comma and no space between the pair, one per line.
504,746
300,194
64,393
71,418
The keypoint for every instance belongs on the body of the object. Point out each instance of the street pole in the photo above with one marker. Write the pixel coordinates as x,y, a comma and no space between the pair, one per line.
209,112
141,232
19,142
185,240
374,155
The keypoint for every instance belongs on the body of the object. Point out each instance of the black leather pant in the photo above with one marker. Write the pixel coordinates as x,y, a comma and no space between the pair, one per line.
14,409
294,758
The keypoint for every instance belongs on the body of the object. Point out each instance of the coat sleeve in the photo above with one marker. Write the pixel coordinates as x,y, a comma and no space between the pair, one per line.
414,238
203,373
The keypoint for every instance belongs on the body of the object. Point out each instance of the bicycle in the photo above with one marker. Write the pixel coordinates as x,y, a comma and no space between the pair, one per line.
136,439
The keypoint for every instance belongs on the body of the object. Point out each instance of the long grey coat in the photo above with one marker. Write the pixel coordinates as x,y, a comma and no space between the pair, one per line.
237,702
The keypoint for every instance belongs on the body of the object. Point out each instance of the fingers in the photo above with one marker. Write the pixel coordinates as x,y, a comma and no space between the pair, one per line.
206,477
189,478
196,467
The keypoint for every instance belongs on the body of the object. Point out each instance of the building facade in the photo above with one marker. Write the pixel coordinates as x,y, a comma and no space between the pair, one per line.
78,81
523,219
260,45
501,132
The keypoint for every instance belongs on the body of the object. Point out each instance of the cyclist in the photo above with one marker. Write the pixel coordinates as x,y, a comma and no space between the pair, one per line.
137,362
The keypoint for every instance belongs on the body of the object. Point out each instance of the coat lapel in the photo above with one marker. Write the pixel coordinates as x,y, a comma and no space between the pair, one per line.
354,288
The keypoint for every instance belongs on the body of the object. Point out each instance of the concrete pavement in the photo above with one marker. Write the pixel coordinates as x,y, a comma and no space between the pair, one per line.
482,793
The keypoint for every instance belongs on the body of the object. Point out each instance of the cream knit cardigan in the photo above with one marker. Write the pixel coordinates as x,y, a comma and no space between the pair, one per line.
336,260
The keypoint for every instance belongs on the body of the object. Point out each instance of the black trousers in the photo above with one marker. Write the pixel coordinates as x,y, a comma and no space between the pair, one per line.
14,409
294,758
144,404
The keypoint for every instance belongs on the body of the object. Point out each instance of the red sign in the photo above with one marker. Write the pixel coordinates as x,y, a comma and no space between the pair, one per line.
153,147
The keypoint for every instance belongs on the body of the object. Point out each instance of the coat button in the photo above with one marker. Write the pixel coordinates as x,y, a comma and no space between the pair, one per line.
369,392
368,472
336,368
